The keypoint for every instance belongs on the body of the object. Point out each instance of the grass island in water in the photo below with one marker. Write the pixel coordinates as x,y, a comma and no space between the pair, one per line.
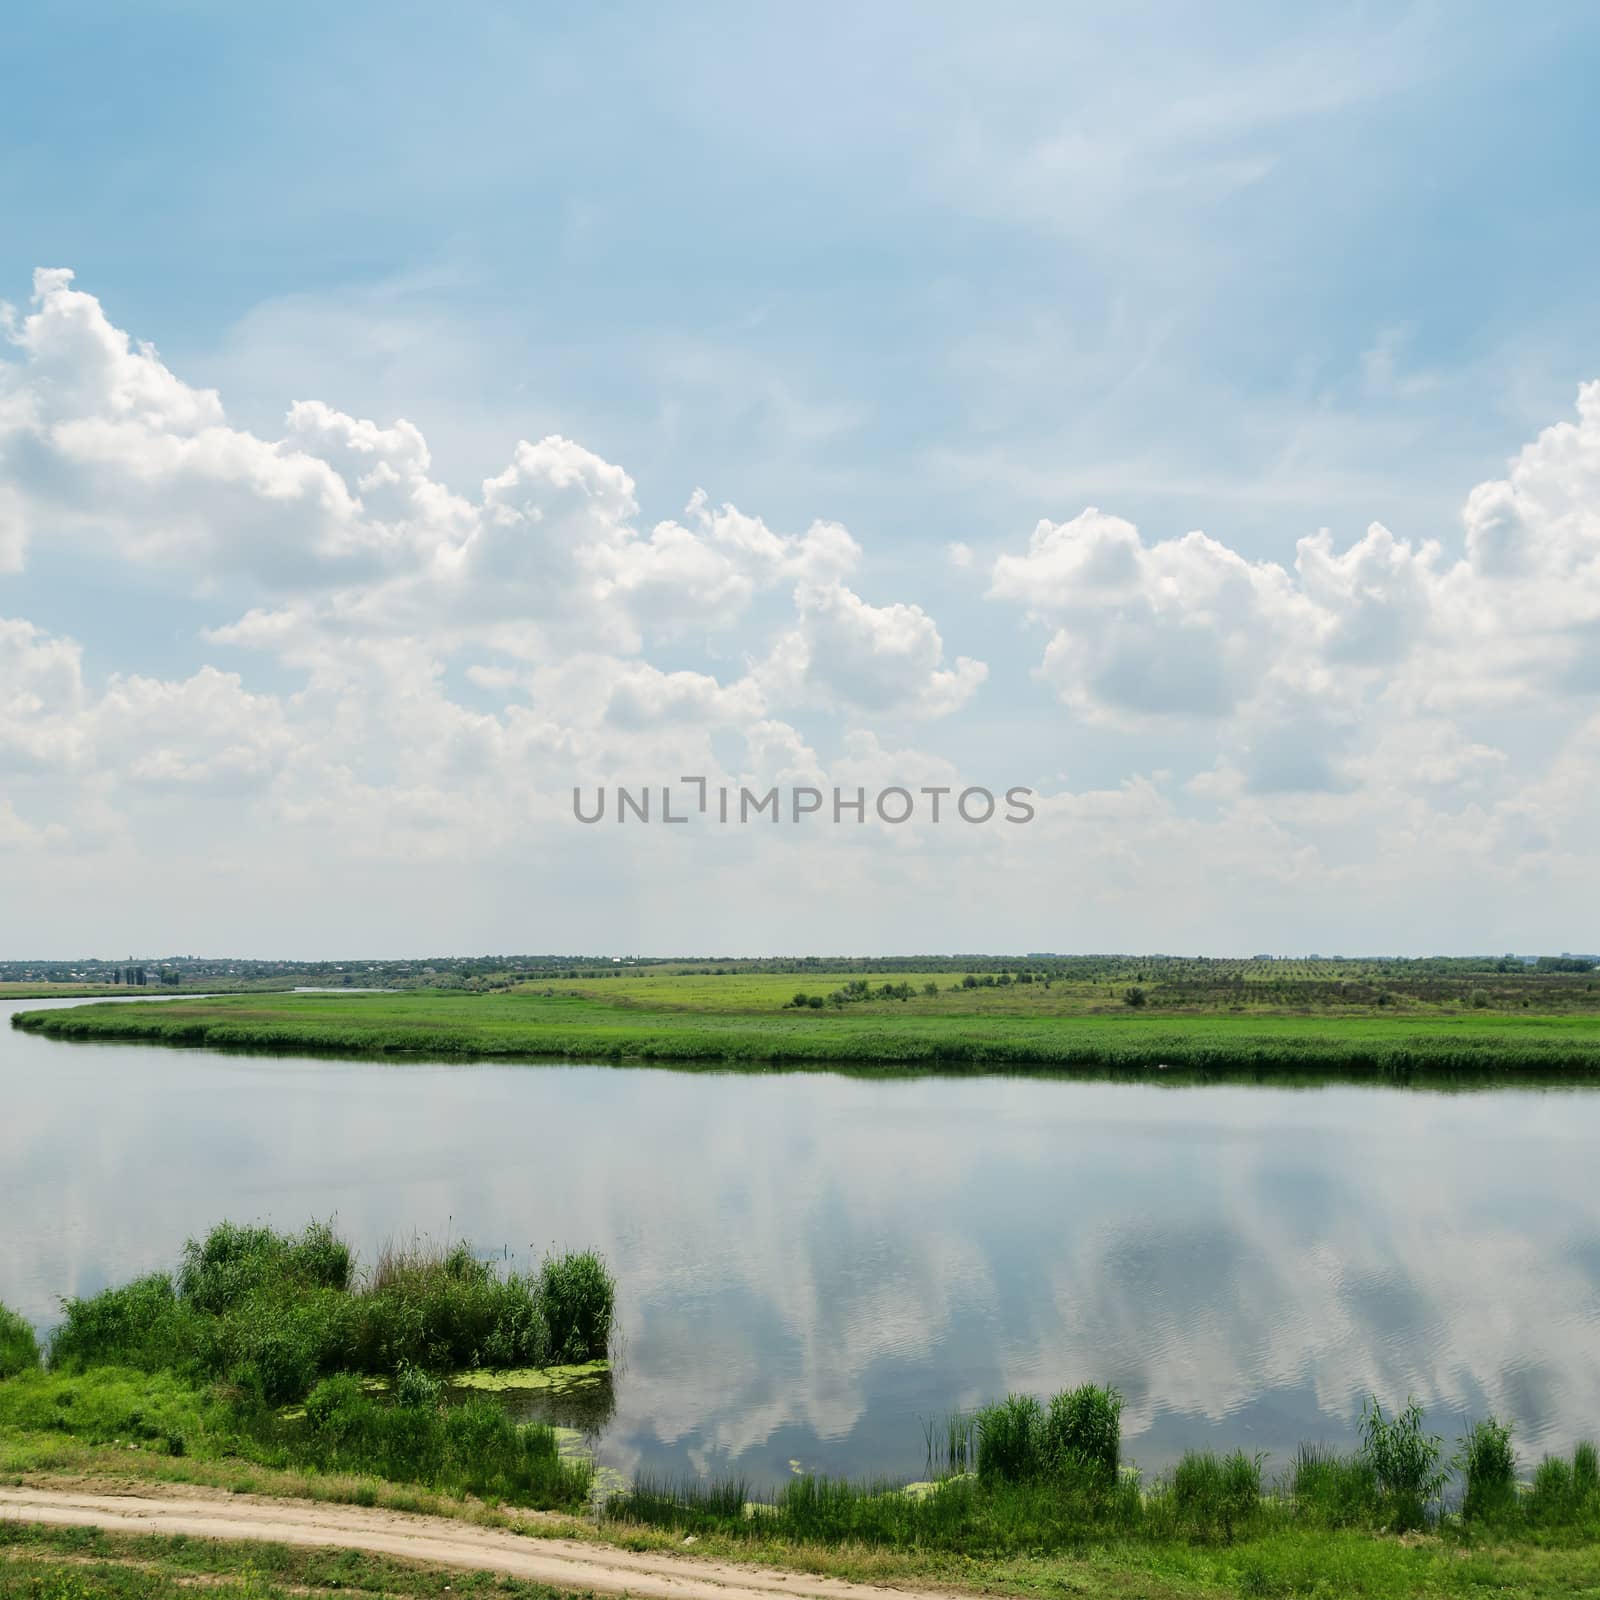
1117,1014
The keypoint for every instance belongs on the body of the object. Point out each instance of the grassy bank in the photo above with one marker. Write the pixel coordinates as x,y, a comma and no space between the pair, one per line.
275,1348
1272,1555
1024,1497
947,1029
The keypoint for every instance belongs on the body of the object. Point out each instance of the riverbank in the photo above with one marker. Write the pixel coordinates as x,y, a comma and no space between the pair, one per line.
270,1364
126,1533
942,1030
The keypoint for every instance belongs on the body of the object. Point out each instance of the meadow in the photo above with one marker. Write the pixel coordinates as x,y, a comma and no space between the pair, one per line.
1117,1014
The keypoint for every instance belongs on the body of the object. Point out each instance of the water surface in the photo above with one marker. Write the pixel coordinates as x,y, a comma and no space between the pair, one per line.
810,1264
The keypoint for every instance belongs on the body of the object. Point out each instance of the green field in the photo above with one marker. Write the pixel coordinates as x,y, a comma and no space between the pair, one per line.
928,1018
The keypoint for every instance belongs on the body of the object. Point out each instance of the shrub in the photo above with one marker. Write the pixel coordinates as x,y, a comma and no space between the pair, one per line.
140,1324
1404,1460
1489,1465
1084,1428
19,1350
1134,996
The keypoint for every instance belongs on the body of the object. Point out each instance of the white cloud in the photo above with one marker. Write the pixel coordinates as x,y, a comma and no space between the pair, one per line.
846,652
41,696
391,670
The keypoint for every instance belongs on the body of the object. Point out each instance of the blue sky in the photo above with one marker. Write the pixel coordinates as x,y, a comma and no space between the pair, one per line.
928,275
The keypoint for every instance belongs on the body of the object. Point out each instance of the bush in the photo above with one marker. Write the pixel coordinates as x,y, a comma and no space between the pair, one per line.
19,1350
1489,1465
1083,1429
140,1324
1404,1460
1135,996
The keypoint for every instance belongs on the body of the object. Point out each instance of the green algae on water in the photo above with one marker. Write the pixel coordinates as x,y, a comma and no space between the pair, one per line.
552,1380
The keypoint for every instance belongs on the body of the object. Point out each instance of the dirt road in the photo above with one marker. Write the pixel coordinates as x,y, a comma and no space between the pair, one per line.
563,1563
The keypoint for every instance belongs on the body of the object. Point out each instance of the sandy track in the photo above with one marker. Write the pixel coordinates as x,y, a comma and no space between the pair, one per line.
563,1563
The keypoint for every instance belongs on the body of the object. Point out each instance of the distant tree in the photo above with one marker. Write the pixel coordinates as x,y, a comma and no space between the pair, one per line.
930,989
1134,996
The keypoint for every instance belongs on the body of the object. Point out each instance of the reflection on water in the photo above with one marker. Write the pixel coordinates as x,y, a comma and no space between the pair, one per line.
809,1264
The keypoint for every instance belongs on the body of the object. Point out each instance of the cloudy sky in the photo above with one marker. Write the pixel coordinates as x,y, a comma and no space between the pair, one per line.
408,416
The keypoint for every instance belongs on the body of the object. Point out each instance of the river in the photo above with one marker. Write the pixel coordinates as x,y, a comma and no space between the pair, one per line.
811,1264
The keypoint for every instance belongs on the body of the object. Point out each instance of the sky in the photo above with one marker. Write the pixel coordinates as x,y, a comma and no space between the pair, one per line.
410,417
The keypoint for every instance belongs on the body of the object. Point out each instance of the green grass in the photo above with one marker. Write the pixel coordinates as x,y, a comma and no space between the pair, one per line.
919,1032
467,1448
19,1350
43,1563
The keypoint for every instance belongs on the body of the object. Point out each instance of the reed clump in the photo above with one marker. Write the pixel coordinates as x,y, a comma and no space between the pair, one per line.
1078,1436
1214,1496
1488,1466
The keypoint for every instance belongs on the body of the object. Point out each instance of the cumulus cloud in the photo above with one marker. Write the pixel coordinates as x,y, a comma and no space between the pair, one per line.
347,535
846,652
391,668
41,696
1305,673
